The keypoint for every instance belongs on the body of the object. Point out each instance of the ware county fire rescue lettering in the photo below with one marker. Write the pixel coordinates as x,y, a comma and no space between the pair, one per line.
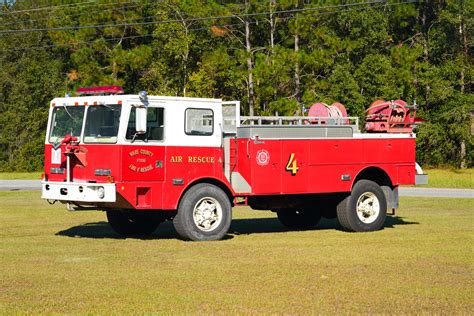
141,155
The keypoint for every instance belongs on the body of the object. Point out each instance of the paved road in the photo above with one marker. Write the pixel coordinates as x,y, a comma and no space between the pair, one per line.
436,192
15,185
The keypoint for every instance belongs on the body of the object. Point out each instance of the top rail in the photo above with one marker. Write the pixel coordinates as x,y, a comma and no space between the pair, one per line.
299,120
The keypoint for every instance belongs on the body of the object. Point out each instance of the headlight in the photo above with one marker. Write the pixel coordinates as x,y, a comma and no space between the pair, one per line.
101,192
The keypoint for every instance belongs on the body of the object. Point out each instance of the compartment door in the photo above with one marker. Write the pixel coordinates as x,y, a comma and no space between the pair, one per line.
265,166
294,166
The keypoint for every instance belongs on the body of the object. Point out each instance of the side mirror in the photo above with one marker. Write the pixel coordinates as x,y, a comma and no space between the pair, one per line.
140,119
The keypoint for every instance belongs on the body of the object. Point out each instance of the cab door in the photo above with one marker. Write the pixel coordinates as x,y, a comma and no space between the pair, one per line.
143,156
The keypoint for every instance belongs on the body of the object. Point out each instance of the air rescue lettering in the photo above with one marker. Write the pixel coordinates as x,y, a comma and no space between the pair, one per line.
200,159
193,159
176,159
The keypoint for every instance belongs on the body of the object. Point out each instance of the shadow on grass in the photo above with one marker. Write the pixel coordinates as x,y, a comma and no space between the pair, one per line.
273,225
392,221
239,227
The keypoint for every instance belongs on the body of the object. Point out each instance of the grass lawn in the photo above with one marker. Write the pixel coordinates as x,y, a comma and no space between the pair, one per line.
447,178
53,261
20,175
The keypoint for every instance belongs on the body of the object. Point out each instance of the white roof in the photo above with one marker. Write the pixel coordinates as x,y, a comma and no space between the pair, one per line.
131,97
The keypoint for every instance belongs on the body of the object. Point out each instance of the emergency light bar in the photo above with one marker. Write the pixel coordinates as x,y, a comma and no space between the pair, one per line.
100,90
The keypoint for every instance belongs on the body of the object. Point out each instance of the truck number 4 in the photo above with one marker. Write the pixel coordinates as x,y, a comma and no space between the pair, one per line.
292,165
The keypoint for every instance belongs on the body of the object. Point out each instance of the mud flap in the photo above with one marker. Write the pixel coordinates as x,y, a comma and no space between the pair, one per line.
391,196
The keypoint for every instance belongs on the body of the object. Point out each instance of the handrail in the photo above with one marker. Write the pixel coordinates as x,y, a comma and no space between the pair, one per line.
299,120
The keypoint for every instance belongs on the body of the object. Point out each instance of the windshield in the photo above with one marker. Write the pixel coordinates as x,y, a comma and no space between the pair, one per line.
66,120
102,123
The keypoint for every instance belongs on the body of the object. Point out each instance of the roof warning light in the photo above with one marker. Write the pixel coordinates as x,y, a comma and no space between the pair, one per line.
102,90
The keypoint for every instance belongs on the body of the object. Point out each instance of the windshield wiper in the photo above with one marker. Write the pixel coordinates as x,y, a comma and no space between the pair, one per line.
107,106
65,108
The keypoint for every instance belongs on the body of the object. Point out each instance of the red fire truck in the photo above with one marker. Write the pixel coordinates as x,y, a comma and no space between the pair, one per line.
146,159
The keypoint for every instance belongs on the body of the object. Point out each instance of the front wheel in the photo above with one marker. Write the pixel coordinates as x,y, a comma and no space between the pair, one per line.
129,223
204,213
365,209
298,218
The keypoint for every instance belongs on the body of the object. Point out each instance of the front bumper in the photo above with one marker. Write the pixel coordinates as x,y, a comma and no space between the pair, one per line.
78,192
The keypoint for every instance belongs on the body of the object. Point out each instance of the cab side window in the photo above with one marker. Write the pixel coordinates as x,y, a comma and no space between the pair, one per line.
155,125
199,122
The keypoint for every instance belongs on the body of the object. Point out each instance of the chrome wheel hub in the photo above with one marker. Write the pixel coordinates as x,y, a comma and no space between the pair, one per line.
207,214
368,207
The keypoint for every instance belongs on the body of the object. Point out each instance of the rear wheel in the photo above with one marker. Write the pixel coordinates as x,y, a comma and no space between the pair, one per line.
129,223
365,209
204,213
298,218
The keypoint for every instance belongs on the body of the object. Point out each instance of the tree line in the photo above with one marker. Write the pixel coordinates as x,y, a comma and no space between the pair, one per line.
276,57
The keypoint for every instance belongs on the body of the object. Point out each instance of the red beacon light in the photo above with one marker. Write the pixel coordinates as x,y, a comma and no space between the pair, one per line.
102,90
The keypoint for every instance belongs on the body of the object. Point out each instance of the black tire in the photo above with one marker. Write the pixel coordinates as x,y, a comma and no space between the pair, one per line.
204,213
132,223
372,208
298,218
